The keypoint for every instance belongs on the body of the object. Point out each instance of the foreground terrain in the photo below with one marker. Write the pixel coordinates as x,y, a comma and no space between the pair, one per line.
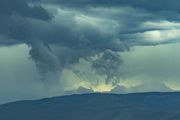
139,106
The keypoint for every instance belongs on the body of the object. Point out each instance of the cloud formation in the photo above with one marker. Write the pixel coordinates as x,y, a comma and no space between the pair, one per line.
61,34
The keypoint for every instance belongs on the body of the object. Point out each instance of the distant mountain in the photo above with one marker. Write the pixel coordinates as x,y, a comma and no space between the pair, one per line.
138,106
80,90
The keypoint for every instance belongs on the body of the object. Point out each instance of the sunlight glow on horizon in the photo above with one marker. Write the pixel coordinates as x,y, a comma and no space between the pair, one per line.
103,88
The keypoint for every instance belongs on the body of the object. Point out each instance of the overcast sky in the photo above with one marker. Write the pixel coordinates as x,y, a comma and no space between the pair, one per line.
58,47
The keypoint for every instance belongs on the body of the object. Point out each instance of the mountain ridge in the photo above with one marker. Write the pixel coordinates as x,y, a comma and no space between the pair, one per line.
97,106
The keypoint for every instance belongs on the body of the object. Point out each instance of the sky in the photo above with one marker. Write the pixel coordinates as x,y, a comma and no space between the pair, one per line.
60,47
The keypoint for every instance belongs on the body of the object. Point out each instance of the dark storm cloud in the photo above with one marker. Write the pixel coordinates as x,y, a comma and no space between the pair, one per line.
21,7
15,20
153,5
107,64
61,32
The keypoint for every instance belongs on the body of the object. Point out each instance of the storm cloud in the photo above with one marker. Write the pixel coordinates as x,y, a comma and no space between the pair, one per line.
61,34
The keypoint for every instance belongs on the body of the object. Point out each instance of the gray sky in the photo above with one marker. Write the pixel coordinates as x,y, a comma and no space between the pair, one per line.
56,47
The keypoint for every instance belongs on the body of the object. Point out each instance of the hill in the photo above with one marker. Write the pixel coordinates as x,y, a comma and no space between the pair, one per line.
137,106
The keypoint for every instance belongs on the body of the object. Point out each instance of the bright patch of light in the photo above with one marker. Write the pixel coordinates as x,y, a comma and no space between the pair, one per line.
161,24
155,35
103,88
159,36
173,85
166,31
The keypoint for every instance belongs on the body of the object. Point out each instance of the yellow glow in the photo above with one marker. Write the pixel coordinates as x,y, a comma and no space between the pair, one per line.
173,85
103,88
